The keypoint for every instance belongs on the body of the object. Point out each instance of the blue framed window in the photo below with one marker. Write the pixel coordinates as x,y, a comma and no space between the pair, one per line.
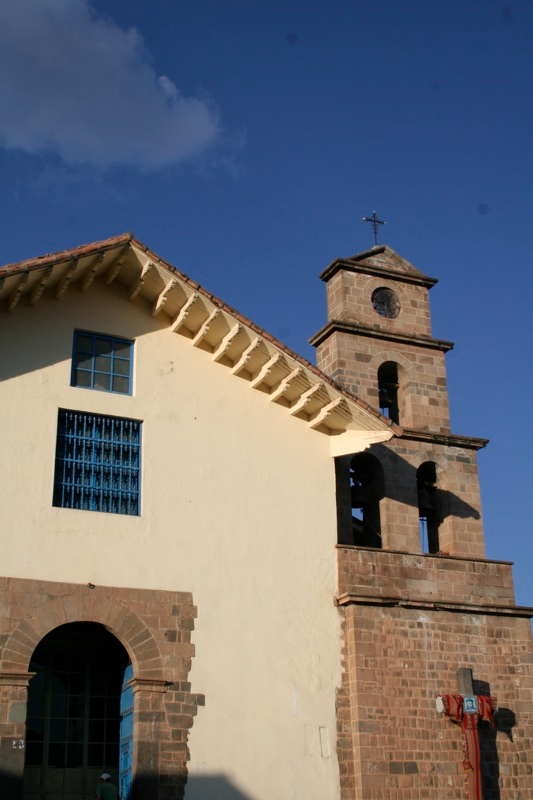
102,362
98,463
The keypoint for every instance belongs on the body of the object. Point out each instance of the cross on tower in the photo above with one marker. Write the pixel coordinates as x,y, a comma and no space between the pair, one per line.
467,709
375,222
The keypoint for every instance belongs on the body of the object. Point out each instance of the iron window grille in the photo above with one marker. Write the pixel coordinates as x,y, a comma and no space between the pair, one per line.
97,466
101,362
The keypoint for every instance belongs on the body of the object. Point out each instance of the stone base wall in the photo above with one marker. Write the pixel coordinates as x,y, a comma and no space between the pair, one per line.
410,622
154,627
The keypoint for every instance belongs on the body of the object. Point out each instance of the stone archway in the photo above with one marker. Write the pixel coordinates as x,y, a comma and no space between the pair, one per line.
73,717
87,605
154,627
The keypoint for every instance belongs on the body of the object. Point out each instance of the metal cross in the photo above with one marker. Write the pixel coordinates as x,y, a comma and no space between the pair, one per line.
375,222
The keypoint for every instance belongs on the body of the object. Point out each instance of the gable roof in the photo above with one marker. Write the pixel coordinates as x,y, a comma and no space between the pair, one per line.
380,261
227,336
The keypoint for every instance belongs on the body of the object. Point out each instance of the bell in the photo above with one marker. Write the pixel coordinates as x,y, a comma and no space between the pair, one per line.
360,497
384,399
426,499
358,527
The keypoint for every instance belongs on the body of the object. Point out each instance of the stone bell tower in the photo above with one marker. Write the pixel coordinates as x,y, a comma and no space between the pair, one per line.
419,602
377,343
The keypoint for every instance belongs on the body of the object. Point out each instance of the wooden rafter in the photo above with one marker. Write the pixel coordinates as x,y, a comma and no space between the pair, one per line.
17,294
280,390
116,266
137,285
63,286
92,272
247,355
184,312
305,398
163,296
204,327
226,342
41,285
265,370
325,413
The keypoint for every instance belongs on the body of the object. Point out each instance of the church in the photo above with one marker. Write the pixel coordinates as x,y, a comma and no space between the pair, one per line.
230,574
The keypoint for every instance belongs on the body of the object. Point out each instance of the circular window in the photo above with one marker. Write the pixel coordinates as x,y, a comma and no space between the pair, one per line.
385,302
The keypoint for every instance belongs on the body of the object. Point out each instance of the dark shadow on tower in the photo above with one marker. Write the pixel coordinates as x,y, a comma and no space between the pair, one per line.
504,721
206,787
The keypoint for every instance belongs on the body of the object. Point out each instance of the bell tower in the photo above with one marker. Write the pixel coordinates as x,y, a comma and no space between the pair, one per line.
422,492
418,601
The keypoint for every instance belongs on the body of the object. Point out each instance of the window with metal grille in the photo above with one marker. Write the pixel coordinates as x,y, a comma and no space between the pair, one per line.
101,362
97,463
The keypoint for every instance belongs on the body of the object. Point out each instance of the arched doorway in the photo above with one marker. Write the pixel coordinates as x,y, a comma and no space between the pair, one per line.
73,718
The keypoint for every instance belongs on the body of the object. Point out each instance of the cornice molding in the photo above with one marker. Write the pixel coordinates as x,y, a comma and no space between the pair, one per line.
380,552
343,326
150,685
493,609
449,439
379,272
21,679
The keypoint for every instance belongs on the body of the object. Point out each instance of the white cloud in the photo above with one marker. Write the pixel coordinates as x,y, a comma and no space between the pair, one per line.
77,85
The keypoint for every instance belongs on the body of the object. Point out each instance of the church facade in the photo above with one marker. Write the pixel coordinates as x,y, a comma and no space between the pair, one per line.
228,573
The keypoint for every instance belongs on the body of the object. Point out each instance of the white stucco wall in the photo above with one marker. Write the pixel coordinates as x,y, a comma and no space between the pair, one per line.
238,507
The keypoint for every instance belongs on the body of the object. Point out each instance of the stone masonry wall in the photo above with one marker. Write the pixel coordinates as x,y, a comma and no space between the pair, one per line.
461,524
409,623
430,579
353,361
349,296
154,627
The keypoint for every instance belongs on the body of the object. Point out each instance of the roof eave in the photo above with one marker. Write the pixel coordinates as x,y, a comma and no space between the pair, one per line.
230,338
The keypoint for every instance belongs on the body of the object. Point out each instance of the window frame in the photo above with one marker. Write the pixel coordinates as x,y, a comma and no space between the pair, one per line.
94,354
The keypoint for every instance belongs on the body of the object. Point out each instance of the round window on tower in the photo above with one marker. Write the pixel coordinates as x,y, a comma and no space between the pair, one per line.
385,302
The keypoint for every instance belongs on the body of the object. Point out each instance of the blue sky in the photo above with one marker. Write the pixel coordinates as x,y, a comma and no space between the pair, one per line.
244,140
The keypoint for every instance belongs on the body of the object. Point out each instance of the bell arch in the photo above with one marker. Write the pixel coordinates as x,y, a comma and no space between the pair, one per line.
429,511
388,390
391,375
366,492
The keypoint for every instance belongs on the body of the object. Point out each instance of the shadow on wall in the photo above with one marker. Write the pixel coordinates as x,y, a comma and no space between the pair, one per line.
504,721
162,787
29,352
364,480
197,787
394,464
11,785
212,787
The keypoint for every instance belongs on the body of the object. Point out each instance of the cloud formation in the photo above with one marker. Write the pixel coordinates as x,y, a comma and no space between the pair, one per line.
77,85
